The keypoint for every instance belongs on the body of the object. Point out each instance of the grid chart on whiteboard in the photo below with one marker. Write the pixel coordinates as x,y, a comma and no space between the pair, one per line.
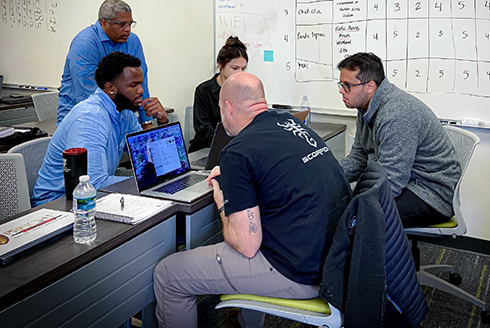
426,46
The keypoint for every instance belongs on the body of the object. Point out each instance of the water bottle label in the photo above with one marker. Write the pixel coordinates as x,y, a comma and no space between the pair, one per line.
84,203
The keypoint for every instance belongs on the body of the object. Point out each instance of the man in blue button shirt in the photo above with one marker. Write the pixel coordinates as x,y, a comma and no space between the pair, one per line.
98,124
112,32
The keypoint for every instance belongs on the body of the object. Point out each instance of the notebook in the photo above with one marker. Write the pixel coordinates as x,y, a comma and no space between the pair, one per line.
161,166
220,140
129,209
21,236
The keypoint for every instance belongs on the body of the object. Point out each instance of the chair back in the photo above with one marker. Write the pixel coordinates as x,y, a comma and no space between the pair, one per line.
301,115
464,144
46,105
189,125
14,193
33,152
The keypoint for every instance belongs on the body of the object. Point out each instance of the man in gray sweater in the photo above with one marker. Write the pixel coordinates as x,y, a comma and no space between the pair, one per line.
401,133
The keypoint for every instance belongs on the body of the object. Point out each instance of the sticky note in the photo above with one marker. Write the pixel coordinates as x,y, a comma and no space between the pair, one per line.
268,55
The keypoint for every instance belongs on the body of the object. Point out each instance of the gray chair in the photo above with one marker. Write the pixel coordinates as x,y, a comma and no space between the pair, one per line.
33,152
14,193
46,105
189,125
464,143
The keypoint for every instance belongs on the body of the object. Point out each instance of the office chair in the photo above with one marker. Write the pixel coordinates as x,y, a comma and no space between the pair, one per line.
464,143
301,115
371,214
14,193
189,125
46,105
33,152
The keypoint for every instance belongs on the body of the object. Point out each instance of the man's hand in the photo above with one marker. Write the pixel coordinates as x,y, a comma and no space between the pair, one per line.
214,173
153,108
219,199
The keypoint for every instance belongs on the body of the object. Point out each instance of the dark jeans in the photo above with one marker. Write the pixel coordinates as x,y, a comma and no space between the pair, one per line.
414,212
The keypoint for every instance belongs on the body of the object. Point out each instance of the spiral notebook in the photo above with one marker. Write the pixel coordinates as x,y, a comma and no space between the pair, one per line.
128,209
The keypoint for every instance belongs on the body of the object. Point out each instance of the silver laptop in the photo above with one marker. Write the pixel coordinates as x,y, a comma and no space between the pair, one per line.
208,160
161,166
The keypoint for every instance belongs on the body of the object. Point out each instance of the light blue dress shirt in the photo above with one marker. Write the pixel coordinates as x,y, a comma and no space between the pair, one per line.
93,124
86,50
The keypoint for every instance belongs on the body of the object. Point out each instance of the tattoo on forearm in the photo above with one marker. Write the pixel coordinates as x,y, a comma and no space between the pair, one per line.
252,226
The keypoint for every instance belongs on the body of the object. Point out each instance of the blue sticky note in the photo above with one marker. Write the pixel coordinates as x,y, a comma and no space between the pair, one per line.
268,55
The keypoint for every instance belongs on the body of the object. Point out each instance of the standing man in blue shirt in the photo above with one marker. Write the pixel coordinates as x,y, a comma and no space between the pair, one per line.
98,124
112,32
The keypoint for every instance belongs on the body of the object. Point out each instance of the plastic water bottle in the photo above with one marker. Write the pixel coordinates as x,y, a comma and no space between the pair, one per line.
305,105
84,196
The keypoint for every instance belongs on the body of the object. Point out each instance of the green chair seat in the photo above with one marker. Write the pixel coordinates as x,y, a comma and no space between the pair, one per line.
453,223
313,305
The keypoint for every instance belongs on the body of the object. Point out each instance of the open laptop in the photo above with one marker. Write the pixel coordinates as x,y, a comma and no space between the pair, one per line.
161,166
211,159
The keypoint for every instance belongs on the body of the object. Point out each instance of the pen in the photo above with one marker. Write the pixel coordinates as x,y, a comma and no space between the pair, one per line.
122,203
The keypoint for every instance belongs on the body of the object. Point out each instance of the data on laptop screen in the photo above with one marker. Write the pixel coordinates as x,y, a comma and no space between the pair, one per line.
158,154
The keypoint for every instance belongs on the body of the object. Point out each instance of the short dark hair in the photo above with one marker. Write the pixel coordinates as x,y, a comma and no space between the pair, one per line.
369,65
112,66
233,48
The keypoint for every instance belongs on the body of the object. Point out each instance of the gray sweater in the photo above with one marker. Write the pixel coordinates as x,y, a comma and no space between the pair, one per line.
403,134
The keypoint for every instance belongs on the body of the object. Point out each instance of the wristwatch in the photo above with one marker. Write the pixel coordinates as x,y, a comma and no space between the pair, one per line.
221,209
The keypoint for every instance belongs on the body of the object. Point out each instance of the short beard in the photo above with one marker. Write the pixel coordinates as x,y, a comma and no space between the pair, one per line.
123,103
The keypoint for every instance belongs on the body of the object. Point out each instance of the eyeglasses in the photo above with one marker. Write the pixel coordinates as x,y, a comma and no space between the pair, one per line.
122,24
347,86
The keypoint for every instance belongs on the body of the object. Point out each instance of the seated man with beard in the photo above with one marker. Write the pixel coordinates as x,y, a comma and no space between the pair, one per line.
98,124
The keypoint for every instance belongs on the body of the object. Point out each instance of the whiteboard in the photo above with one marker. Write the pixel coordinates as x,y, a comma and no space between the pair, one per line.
35,36
438,51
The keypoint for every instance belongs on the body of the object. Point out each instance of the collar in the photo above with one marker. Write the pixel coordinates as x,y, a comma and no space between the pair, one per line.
383,89
215,88
100,32
108,104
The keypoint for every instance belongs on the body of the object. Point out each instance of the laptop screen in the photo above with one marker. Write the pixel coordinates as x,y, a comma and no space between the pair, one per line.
157,154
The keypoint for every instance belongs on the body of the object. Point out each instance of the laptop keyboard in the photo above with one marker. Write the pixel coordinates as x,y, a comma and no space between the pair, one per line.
200,162
181,183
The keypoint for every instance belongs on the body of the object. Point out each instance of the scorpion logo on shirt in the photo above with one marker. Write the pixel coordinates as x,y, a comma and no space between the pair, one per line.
298,131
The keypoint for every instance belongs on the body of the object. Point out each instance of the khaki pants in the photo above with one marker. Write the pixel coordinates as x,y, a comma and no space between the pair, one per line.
217,269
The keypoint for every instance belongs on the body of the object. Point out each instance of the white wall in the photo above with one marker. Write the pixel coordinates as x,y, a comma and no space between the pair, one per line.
179,50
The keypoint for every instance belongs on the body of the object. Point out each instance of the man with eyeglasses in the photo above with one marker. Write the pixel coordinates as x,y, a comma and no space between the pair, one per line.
400,132
111,32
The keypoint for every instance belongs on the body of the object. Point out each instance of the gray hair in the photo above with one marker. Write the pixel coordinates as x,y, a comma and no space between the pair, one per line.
109,8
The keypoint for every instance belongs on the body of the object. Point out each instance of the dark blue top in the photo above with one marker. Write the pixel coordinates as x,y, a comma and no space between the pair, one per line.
286,169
